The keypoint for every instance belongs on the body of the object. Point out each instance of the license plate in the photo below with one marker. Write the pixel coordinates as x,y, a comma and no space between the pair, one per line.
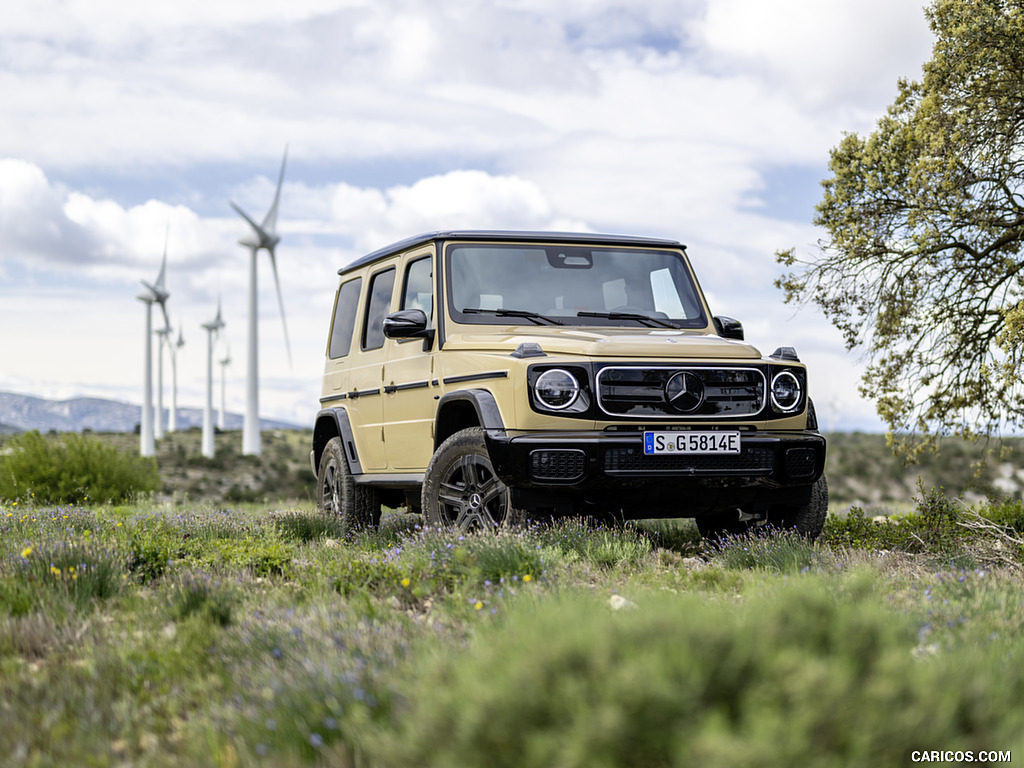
656,443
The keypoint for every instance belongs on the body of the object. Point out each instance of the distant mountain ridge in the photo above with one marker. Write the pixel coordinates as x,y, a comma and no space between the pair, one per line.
21,413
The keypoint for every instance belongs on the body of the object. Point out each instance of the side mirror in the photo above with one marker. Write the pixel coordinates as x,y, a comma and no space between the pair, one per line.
407,324
728,328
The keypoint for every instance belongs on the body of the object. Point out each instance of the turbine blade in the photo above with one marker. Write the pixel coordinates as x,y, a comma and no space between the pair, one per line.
244,215
163,264
280,304
270,220
167,320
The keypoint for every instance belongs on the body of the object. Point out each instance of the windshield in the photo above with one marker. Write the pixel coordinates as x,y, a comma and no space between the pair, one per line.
511,284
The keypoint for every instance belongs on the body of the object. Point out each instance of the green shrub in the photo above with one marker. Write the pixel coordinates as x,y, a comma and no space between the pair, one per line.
595,543
309,526
198,595
72,469
263,557
379,576
858,531
1009,513
769,549
802,678
80,571
933,529
505,554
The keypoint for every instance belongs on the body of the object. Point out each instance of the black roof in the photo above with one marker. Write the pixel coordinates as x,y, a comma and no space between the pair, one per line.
508,236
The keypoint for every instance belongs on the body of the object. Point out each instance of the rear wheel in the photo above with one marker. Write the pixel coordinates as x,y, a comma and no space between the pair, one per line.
357,506
461,489
806,519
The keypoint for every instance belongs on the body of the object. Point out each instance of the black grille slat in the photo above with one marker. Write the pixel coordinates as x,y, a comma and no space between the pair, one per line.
638,392
558,464
752,459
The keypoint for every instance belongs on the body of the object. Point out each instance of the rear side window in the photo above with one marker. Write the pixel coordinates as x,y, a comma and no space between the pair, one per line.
345,318
377,305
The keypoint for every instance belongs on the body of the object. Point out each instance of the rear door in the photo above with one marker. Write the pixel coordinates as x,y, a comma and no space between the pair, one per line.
366,376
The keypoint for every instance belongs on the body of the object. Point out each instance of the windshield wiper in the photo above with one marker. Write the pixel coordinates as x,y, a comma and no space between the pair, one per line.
653,322
536,317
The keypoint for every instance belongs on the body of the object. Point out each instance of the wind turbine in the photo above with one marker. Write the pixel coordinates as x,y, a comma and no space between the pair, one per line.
155,293
172,425
212,329
264,236
224,363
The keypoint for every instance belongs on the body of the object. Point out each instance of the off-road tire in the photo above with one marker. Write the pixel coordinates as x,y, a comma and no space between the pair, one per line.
357,506
808,519
461,489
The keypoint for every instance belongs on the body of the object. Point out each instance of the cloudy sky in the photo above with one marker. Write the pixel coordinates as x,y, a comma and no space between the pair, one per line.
706,121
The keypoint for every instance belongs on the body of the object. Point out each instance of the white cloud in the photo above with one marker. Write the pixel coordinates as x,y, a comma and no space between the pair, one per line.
33,224
823,52
662,118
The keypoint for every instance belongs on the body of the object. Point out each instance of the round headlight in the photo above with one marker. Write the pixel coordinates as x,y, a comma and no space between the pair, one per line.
786,392
556,389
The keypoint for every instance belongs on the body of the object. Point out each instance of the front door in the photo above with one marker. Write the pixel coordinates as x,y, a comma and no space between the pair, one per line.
409,393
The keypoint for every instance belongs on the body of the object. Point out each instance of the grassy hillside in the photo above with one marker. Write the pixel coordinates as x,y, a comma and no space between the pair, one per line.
861,470
189,635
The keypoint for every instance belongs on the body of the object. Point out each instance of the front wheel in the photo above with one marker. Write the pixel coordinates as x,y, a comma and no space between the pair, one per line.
461,489
357,506
807,519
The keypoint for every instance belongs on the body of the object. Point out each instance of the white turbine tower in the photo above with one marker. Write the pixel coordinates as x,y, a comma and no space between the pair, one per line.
172,425
262,236
163,333
212,329
158,424
222,415
154,293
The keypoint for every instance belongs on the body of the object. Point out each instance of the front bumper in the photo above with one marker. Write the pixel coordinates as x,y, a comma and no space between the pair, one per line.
598,470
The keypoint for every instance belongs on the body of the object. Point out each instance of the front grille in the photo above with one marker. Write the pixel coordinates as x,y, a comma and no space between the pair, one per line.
561,464
640,392
800,462
753,460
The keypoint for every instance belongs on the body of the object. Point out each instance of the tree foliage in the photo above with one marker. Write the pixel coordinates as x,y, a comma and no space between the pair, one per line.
921,262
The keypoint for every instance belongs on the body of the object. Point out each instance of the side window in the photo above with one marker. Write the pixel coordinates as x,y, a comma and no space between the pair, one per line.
419,287
377,305
345,318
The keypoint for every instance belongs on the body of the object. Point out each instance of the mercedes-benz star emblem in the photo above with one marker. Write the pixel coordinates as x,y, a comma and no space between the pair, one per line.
684,392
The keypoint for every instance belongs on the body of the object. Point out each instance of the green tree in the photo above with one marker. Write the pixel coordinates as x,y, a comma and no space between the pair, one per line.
921,262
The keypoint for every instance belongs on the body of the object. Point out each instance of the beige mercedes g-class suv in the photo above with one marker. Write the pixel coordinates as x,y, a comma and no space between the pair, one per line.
483,378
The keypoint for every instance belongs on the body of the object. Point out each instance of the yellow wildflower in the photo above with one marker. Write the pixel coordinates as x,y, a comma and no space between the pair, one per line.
527,577
26,552
479,605
406,582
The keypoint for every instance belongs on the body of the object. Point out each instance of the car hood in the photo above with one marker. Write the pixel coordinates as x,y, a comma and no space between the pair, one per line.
608,343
